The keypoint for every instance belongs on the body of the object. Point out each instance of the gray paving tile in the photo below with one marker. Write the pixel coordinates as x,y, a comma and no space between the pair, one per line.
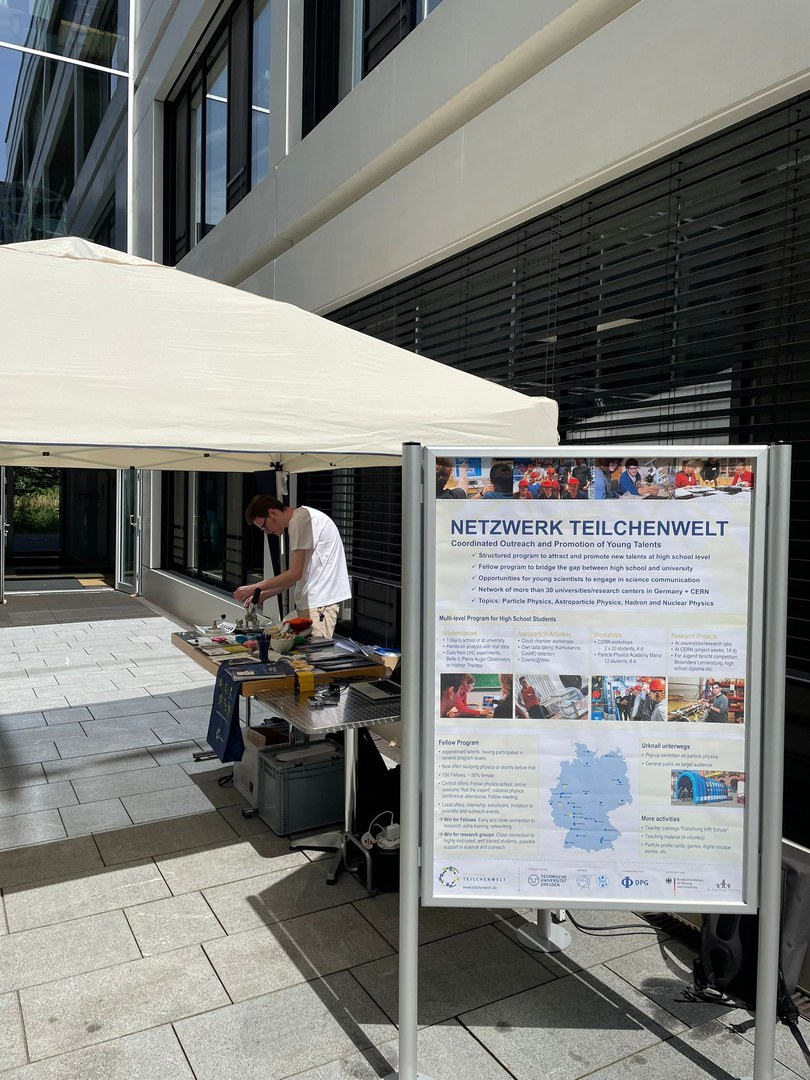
124,725
138,782
18,701
188,699
98,765
258,962
62,949
29,753
30,829
9,683
139,706
67,716
696,1053
102,1005
262,1039
605,1018
218,795
662,973
244,905
161,687
12,1036
382,911
445,1052
22,776
170,803
148,1055
95,817
456,974
44,861
241,825
27,800
199,713
207,867
181,730
27,736
173,923
47,700
160,837
90,893
587,950
15,721
85,745
94,695
181,754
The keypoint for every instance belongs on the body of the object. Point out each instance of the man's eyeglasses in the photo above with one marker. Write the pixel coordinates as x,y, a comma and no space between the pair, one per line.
263,523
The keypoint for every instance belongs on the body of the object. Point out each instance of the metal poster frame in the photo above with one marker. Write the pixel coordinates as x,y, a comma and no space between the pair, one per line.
767,644
754,687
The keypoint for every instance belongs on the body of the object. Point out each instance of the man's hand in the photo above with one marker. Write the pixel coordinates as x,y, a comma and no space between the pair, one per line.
244,593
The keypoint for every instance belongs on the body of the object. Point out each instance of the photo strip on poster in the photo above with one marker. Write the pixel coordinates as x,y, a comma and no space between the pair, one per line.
591,716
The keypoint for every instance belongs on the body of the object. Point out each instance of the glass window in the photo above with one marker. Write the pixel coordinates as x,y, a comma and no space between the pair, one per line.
216,136
218,126
196,159
95,32
211,524
385,24
260,94
204,532
50,116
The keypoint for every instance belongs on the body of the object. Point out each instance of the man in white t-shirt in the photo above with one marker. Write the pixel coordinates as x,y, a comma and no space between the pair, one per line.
317,562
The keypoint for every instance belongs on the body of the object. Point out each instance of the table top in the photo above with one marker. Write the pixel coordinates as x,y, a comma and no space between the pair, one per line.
252,687
351,711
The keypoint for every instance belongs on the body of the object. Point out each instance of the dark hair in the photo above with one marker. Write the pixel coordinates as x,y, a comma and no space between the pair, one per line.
444,469
501,476
260,506
630,461
449,682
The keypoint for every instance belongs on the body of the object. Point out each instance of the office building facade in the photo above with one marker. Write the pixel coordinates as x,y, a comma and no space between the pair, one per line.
64,133
602,202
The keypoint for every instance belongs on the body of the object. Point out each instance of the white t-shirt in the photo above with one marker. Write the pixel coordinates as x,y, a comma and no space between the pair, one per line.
326,578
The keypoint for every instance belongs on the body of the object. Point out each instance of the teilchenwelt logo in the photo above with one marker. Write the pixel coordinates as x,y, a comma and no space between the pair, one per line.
449,877
631,882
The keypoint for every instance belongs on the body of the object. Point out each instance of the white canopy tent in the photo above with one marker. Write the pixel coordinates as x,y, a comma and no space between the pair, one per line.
112,361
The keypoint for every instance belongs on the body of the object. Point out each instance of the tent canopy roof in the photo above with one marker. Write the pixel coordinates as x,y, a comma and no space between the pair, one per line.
112,361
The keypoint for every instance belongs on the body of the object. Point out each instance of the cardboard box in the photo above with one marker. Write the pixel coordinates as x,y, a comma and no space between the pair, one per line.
246,771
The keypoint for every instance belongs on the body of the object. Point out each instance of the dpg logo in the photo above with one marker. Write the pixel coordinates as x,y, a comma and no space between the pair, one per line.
629,882
449,877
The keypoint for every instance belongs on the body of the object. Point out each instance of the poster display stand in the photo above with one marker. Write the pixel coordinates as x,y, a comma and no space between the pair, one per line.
595,650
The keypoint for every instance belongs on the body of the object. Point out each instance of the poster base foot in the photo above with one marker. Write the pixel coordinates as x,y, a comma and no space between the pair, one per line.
395,1076
544,935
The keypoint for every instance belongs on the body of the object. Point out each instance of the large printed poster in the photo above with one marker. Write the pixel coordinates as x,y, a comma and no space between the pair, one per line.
590,699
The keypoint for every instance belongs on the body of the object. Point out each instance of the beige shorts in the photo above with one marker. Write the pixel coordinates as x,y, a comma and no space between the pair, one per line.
324,619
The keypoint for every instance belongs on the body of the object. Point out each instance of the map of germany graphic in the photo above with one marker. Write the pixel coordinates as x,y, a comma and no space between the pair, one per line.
588,788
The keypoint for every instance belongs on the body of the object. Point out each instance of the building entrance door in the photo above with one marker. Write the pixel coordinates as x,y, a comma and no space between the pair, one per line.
128,516
3,534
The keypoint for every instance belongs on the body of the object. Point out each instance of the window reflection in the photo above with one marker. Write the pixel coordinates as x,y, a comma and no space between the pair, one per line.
95,32
51,114
218,124
195,186
260,102
216,137
260,98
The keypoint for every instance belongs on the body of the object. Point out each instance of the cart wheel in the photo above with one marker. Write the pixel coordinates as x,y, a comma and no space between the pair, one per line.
250,811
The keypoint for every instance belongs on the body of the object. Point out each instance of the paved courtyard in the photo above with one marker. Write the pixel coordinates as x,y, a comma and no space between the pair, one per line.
148,931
